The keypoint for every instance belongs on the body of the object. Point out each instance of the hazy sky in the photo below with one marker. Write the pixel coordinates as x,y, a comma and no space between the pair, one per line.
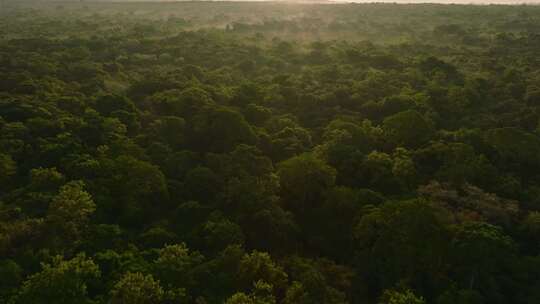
537,2
453,1
368,1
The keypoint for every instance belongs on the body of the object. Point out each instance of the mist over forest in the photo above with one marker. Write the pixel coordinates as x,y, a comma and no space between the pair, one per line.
269,153
474,2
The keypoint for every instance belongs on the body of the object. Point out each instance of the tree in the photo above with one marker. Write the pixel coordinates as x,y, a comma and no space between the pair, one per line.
176,263
470,203
137,288
530,228
60,282
256,114
433,66
463,296
339,211
257,266
11,275
480,250
170,130
202,184
377,172
515,146
72,204
220,130
400,297
46,179
70,210
402,241
286,138
271,229
188,102
318,280
408,128
251,160
8,167
20,234
261,294
296,294
218,233
303,179
246,93
404,168
457,163
108,104
139,188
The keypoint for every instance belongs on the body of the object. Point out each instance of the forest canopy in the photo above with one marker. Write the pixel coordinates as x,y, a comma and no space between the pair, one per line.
269,153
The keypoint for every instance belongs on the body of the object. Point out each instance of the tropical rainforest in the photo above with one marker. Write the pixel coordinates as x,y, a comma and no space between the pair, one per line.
269,153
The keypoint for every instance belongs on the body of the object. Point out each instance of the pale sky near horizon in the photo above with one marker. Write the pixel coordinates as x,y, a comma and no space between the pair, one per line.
359,1
364,1
454,1
477,2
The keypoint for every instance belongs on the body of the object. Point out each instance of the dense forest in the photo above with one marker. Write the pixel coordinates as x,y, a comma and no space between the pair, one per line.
269,153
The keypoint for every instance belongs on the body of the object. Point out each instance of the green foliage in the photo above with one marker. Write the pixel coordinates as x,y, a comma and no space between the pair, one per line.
408,128
11,275
206,152
515,144
400,297
176,263
219,233
46,179
62,281
296,294
7,167
259,266
403,241
69,212
262,294
303,179
137,288
220,130
72,204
